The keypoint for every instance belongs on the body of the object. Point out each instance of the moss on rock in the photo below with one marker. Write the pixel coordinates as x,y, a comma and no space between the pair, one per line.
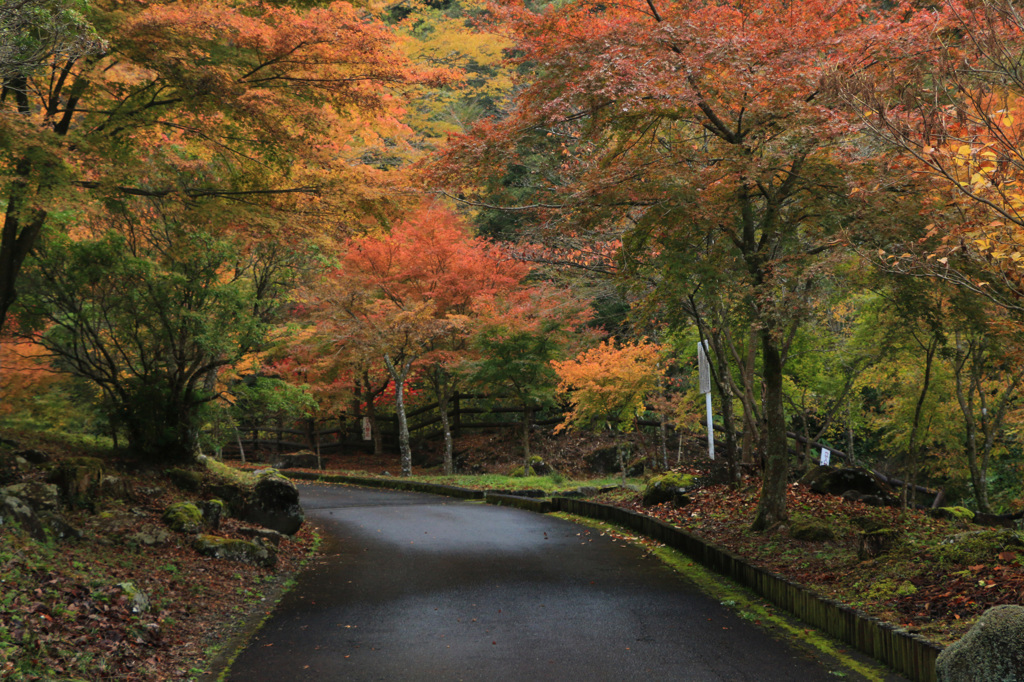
811,530
247,552
666,487
977,547
183,517
953,513
992,650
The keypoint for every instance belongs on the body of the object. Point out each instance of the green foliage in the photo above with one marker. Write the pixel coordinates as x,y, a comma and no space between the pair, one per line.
147,312
518,361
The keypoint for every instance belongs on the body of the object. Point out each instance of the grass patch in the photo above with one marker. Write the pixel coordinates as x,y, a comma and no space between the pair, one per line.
549,483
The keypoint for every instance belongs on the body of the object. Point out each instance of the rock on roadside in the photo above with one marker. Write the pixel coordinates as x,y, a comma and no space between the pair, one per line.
992,650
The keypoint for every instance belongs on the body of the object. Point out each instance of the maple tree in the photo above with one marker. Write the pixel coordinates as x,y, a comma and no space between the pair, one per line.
705,137
453,35
948,98
608,385
264,108
406,297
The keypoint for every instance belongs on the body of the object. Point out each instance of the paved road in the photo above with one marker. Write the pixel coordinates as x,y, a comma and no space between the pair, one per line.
420,587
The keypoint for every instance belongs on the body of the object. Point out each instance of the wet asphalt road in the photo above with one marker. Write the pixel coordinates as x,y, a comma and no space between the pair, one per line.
421,587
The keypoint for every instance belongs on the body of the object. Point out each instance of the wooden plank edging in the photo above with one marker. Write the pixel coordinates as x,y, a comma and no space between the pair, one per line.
534,504
392,484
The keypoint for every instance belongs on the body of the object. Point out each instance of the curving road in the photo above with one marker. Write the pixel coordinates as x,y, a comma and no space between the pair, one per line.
420,587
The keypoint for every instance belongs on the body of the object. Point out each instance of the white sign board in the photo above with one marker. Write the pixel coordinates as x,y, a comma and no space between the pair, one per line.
703,367
367,432
704,375
826,456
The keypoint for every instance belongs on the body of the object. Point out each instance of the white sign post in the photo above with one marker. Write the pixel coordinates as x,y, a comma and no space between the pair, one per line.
704,372
826,456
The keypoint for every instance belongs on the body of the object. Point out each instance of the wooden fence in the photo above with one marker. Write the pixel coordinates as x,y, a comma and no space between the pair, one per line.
465,412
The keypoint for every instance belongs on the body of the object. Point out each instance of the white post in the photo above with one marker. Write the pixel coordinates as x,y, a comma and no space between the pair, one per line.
711,427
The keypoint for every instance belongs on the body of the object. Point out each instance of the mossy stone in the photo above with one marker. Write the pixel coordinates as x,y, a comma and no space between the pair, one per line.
183,517
78,479
184,479
666,487
992,650
811,530
978,547
877,542
244,551
952,513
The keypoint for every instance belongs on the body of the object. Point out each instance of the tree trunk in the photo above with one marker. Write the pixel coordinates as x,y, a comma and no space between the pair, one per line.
933,344
371,414
771,508
527,417
965,398
449,460
403,426
21,230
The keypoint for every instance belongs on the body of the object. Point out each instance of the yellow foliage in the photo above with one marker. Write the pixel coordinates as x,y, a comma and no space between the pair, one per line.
608,384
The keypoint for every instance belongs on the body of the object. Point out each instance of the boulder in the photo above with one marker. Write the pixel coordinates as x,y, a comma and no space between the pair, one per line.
16,512
667,488
57,528
828,480
137,599
183,517
247,552
234,496
78,479
36,457
811,530
150,536
114,488
263,534
274,504
606,460
10,470
303,459
39,496
213,512
42,525
977,547
992,650
538,467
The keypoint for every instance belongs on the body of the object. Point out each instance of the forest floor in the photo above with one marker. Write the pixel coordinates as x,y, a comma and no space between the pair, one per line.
67,614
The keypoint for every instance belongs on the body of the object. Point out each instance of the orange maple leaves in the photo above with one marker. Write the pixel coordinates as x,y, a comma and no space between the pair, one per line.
609,385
